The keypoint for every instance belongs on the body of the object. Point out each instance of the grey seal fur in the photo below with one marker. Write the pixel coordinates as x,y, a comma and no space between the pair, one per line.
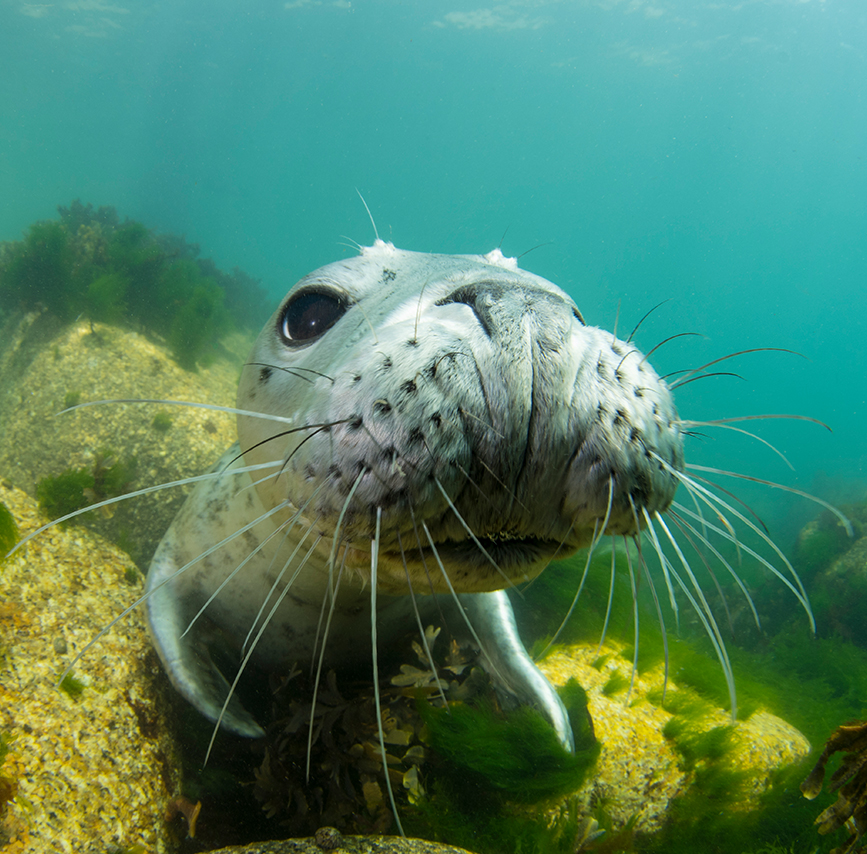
448,423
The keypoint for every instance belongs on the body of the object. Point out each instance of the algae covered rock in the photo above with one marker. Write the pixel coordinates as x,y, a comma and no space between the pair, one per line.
654,753
328,839
93,763
101,451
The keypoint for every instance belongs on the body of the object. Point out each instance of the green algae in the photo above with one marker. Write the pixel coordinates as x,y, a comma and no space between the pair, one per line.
75,489
71,686
90,264
9,535
65,493
162,422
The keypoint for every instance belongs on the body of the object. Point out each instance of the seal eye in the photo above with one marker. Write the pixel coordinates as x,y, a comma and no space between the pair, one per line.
309,315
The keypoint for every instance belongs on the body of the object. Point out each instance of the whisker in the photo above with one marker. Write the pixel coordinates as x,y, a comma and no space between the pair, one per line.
840,516
703,612
610,595
246,659
457,599
634,587
185,481
294,371
682,383
660,617
375,232
677,521
716,422
598,533
374,562
473,537
798,594
745,433
352,244
418,620
731,571
646,315
321,657
741,353
211,407
801,593
650,352
289,524
144,597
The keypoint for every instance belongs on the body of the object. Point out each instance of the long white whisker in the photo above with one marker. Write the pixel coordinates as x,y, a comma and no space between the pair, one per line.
290,523
185,481
253,645
659,614
374,563
712,497
418,620
457,599
165,581
598,532
321,658
610,595
801,597
844,521
782,456
703,612
737,579
665,565
473,537
634,587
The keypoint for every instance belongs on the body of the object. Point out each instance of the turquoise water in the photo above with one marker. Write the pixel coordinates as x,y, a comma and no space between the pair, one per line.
710,154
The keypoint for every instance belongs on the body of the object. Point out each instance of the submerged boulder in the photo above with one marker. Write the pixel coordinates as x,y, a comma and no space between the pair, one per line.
89,760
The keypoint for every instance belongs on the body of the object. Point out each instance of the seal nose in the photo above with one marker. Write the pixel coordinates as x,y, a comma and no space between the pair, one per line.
497,305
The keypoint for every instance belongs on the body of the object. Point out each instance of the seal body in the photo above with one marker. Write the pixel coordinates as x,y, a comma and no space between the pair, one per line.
445,425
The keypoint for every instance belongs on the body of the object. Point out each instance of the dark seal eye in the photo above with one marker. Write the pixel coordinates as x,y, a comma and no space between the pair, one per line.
310,315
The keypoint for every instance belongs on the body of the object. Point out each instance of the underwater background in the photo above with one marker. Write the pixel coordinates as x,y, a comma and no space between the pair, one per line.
706,154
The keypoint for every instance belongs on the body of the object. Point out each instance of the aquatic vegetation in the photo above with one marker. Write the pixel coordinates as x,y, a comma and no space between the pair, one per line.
517,755
849,781
64,494
38,272
8,530
8,783
72,398
123,274
162,422
72,686
75,489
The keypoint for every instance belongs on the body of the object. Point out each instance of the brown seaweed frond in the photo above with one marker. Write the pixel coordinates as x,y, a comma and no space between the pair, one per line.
849,781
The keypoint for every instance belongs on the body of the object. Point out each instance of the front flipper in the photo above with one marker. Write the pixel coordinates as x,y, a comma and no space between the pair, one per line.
186,658
511,669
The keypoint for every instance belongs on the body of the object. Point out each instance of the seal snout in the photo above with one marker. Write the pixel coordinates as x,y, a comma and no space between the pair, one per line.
467,397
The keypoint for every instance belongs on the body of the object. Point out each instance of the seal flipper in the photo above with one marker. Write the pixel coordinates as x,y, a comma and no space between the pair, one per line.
186,658
512,671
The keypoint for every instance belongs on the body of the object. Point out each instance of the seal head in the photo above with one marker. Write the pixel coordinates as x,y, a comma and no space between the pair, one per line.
408,421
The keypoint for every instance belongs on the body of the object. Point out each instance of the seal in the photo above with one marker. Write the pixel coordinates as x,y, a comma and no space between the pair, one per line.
416,432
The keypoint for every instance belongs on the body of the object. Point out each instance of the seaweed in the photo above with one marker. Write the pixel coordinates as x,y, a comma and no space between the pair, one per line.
75,489
72,686
162,422
38,272
8,531
65,493
124,274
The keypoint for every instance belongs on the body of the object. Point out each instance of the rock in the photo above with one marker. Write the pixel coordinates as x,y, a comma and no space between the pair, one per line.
343,845
93,768
45,370
639,771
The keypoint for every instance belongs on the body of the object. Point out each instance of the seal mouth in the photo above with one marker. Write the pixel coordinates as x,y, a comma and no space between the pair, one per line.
514,556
